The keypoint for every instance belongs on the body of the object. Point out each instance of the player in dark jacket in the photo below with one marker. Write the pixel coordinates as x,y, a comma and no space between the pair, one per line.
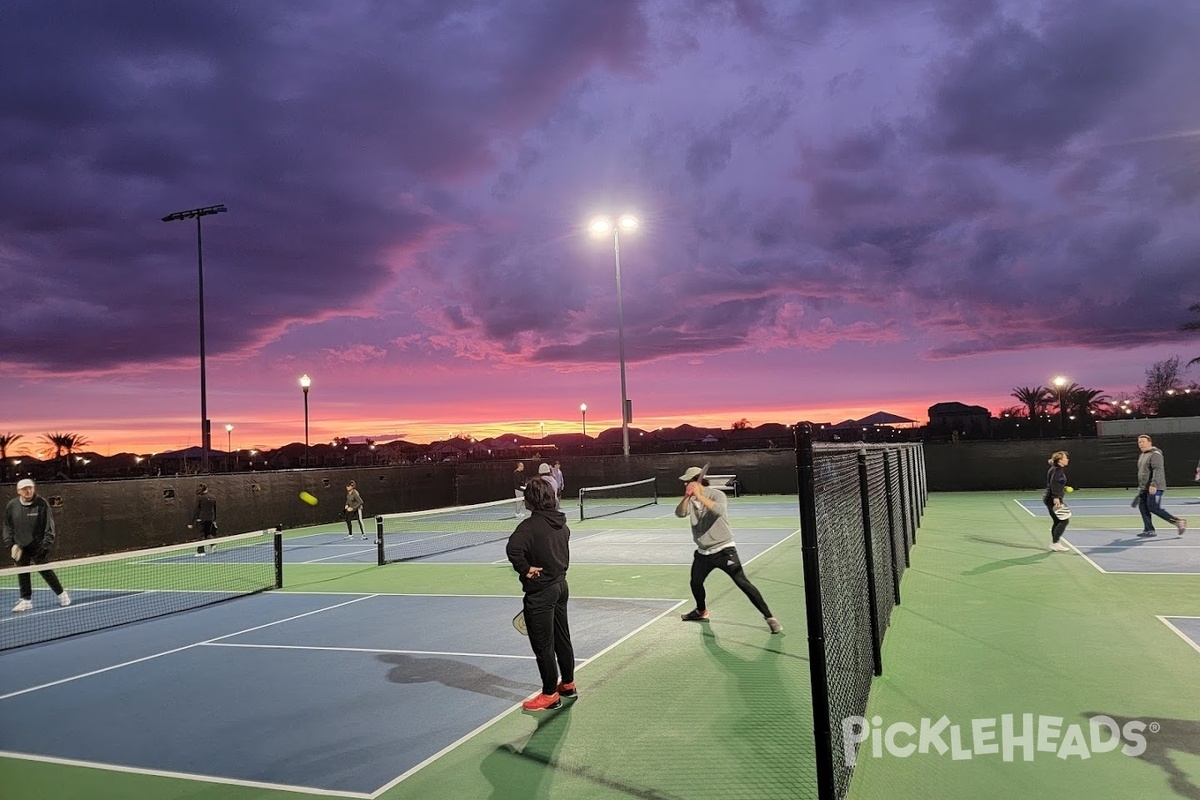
29,534
1056,485
205,516
539,551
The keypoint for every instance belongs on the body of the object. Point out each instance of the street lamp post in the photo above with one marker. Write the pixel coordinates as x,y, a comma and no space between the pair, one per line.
583,411
228,438
205,426
601,226
1060,383
305,382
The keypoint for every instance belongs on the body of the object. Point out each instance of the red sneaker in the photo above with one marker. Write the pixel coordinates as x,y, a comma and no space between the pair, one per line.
542,702
567,689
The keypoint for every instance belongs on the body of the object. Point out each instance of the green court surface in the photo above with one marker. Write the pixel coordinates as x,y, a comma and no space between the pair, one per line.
991,623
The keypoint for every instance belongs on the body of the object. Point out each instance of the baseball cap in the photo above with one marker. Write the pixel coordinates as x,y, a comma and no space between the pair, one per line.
694,473
25,483
544,469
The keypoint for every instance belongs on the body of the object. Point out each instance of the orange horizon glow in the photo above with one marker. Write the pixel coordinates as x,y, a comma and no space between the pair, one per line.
110,437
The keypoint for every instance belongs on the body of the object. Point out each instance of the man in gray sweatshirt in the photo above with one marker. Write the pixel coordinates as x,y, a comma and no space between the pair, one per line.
1152,481
707,511
29,533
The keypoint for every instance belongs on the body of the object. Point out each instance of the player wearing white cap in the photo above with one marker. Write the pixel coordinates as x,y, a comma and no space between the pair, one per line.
29,533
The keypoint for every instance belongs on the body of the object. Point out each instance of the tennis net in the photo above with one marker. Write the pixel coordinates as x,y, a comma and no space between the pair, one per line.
419,534
601,501
106,591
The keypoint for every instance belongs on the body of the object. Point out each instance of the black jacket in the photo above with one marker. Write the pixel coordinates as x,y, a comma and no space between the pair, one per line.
543,541
1056,483
28,525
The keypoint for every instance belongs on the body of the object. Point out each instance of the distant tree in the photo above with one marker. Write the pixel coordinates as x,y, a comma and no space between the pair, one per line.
65,443
1162,377
341,441
1036,400
1193,325
6,441
742,424
1012,411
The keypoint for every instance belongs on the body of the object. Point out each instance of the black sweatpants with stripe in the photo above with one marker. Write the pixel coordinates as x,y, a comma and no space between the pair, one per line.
727,561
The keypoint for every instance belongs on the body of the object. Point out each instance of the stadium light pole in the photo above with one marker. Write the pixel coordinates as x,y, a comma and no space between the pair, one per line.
601,226
228,438
1060,383
583,411
305,382
205,425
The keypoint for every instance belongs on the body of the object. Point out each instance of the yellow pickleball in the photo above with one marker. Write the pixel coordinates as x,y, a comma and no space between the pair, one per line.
308,498
1070,488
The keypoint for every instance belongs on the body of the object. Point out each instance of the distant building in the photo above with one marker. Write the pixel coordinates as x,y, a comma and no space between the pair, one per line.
947,418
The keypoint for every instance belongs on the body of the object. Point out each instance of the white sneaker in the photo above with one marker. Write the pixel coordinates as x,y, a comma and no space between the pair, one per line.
64,599
1059,547
201,554
23,605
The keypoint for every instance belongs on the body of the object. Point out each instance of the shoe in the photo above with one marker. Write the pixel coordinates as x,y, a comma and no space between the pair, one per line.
543,702
64,599
1181,525
774,625
22,605
1147,534
1059,547
695,615
568,689
201,553
364,536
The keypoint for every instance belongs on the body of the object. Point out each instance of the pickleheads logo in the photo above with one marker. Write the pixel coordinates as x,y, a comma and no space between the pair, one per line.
1010,734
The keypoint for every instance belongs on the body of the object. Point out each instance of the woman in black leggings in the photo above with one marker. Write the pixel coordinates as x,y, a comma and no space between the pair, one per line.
1056,485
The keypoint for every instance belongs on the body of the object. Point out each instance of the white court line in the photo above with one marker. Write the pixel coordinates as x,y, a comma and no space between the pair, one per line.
365,650
467,737
1084,555
1178,632
1021,506
338,555
489,596
161,773
177,649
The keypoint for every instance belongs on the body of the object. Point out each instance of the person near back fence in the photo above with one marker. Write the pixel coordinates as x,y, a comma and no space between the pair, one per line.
1056,487
707,511
29,535
556,472
519,487
353,509
539,549
1152,482
205,517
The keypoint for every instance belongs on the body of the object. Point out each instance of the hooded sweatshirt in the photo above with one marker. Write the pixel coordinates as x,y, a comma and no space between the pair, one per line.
542,540
28,524
1151,470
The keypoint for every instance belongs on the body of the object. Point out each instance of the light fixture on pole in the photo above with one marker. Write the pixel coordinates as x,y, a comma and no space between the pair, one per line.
205,425
228,438
1060,383
305,382
583,411
601,226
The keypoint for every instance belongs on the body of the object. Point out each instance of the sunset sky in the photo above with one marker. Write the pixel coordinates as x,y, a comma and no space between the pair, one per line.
846,206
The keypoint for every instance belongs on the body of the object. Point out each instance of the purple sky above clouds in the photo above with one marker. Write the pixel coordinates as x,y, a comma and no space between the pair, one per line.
845,206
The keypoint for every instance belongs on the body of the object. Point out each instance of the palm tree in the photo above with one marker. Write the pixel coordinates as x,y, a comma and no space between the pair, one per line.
1194,325
1036,401
6,441
65,442
1086,405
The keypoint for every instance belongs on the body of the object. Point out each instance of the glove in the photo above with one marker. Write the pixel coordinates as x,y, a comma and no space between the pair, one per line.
16,552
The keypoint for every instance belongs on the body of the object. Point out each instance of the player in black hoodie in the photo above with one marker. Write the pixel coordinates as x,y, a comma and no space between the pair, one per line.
539,550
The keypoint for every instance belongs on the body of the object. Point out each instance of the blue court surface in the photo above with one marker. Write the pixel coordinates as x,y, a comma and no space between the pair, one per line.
1105,532
1187,628
334,694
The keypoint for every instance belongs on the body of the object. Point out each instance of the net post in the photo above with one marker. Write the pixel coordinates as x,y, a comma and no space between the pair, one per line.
581,505
818,667
864,494
380,560
278,541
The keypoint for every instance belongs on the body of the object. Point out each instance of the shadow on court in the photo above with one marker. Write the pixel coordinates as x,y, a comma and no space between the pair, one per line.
1023,561
1005,543
454,674
523,771
1174,736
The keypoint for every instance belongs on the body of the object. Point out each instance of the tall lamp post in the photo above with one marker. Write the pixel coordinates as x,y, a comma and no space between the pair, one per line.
205,425
228,438
583,411
601,226
1060,383
305,382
